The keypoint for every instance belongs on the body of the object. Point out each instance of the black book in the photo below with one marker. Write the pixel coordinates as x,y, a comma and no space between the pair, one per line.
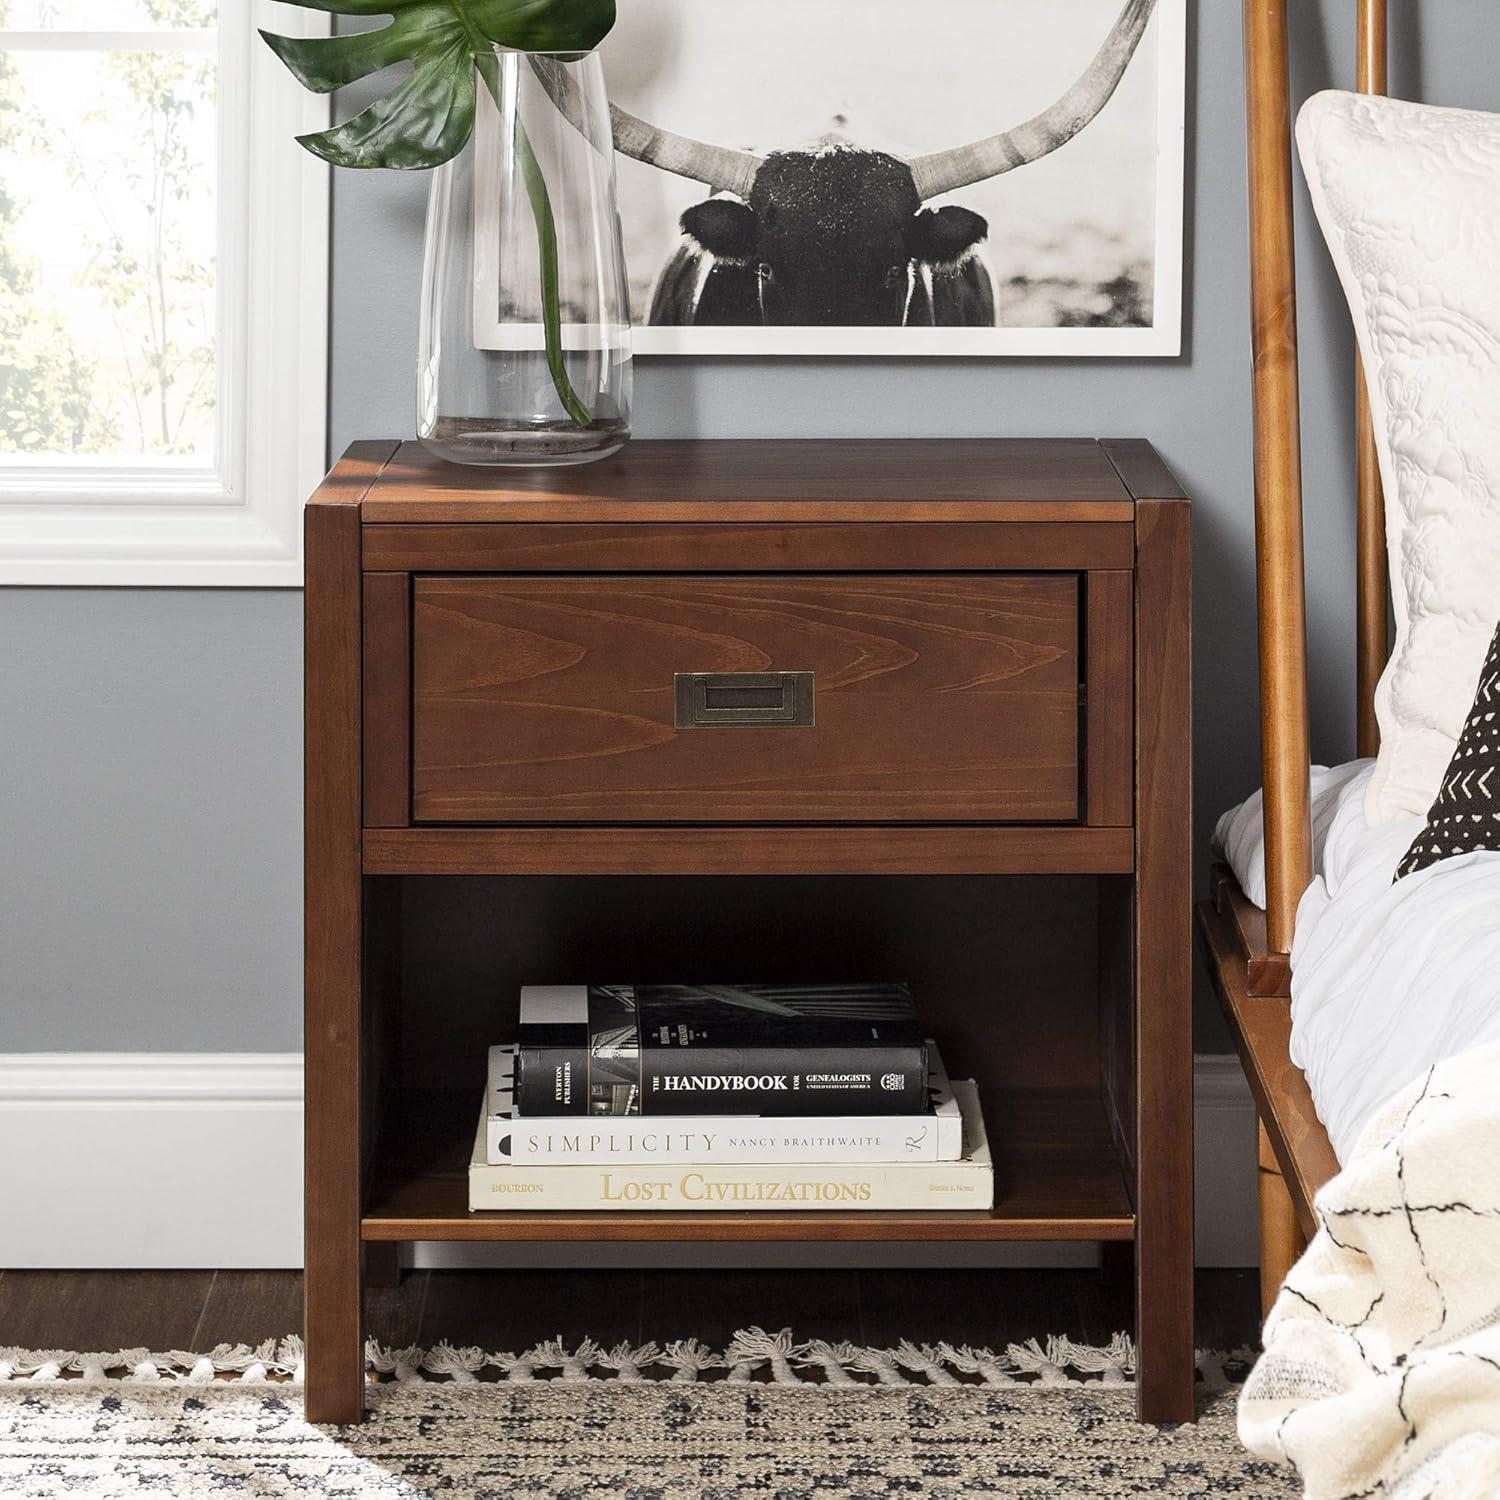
705,1049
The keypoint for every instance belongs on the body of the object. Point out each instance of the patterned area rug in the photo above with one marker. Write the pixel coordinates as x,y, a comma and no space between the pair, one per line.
779,1424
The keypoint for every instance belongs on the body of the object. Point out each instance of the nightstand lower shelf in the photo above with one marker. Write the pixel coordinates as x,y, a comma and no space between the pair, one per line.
1058,1176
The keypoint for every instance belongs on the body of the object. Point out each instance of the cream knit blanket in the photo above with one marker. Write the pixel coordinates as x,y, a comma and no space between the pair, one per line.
1381,1371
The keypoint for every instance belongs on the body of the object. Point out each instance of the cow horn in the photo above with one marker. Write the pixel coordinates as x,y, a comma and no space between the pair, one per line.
945,171
722,169
718,167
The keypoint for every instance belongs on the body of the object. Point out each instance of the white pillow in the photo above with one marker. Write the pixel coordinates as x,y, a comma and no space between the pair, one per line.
1241,833
1409,199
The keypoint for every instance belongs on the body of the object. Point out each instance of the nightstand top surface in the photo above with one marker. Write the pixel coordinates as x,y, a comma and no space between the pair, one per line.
964,479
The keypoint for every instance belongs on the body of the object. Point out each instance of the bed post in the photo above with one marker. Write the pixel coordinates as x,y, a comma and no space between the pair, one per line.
1372,627
1285,753
1278,472
1281,1241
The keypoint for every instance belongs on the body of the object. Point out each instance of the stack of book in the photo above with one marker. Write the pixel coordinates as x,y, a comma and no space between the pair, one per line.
735,1097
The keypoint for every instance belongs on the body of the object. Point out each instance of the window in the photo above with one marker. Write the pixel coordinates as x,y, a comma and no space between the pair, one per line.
163,265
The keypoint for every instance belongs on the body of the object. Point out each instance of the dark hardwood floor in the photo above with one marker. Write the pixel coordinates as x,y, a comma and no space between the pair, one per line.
513,1309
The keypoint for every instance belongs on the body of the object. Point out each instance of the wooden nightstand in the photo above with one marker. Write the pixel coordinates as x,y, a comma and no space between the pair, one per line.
514,674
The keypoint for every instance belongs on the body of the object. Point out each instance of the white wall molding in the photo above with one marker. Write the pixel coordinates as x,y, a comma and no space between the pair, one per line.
191,1159
125,1160
152,1078
237,522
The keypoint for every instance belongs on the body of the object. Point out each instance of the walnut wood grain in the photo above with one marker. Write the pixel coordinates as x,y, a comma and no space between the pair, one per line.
1262,1030
1248,962
1141,469
748,547
382,1033
427,1213
1094,1109
101,1309
760,850
1061,479
938,698
1371,47
1372,624
1057,1177
354,476
332,940
1267,974
1163,959
1117,1007
387,700
1281,1238
1278,472
1109,669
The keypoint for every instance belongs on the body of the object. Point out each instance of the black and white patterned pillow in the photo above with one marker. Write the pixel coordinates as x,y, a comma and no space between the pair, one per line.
1466,814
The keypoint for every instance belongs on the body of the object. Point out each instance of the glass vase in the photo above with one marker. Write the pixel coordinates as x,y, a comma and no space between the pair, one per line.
523,228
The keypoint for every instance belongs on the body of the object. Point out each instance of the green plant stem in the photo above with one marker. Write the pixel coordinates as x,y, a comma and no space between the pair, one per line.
546,236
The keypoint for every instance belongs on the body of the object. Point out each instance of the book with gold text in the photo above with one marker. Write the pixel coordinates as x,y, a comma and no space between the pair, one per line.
967,1183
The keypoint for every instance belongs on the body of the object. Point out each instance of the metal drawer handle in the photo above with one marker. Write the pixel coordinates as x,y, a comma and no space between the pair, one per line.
744,700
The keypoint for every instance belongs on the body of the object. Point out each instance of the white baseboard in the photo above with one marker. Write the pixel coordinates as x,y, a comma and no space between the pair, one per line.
150,1160
161,1160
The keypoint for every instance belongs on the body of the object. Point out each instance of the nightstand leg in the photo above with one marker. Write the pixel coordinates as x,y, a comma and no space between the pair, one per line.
333,943
1163,966
334,1333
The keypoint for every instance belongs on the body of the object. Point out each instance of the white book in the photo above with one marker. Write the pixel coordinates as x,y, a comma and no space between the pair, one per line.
968,1183
677,1140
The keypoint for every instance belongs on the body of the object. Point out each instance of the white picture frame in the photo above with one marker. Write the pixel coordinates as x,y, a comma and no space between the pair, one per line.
1059,38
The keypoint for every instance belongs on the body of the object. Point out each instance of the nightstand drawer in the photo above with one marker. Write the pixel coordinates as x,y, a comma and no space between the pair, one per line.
792,698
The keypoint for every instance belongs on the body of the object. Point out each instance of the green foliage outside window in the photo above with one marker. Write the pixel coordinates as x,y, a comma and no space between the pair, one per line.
139,274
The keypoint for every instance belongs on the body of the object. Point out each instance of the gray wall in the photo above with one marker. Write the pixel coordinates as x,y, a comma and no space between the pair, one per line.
151,882
150,886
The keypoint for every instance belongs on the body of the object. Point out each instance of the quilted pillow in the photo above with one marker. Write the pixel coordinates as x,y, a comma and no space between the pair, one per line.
1466,815
1408,196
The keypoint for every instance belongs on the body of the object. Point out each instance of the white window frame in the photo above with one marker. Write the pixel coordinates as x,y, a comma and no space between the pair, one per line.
239,524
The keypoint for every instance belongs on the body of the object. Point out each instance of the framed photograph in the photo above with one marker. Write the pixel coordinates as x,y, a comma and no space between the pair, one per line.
859,177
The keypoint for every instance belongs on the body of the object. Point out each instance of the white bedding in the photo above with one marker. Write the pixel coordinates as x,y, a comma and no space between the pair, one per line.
1381,1371
1386,979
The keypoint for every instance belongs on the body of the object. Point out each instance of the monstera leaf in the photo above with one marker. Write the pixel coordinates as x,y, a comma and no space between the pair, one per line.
426,119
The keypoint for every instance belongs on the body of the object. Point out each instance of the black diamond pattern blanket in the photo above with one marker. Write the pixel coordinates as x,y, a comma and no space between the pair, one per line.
1466,815
1381,1371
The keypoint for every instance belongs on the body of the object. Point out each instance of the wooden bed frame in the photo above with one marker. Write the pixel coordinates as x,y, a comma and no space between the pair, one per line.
1248,950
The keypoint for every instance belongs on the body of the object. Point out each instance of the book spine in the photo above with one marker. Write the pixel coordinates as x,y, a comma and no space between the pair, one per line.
552,1079
723,1140
737,1189
579,1051
876,1080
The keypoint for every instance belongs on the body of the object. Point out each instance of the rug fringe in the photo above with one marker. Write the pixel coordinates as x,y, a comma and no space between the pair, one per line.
752,1354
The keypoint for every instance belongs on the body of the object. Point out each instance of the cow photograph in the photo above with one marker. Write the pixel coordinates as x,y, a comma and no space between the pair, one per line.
873,177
